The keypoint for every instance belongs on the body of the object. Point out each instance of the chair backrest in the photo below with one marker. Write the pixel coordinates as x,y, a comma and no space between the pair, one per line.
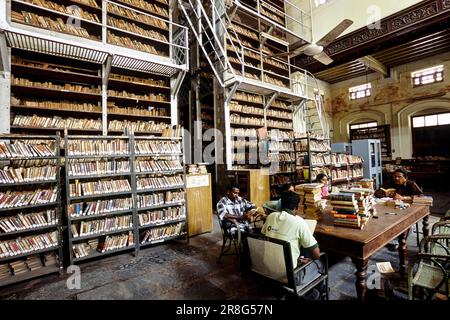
271,258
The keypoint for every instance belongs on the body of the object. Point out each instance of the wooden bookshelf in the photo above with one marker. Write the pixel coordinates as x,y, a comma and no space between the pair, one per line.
28,224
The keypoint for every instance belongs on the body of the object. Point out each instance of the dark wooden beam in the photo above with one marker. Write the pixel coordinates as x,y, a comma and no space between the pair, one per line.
426,17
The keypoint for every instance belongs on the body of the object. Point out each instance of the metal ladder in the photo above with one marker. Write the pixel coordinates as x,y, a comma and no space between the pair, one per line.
206,20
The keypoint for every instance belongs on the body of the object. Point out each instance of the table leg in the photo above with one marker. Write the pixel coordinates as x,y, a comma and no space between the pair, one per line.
361,268
402,252
425,230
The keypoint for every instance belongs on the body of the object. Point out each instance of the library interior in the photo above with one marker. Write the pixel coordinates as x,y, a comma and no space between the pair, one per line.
224,150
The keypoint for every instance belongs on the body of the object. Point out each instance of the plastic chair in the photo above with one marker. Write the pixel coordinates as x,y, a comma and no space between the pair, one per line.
272,259
430,270
231,235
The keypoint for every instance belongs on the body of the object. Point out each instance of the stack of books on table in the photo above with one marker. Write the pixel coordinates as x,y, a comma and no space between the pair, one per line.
310,197
426,200
365,199
345,210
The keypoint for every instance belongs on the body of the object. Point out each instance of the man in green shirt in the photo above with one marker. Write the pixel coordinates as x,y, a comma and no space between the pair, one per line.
285,225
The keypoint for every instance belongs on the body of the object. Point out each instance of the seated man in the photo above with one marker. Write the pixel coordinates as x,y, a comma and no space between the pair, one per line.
403,187
285,225
233,207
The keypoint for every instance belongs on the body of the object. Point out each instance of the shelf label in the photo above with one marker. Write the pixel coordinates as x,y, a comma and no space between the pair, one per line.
197,181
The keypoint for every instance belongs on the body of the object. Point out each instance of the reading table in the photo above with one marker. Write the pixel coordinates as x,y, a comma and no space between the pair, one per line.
360,245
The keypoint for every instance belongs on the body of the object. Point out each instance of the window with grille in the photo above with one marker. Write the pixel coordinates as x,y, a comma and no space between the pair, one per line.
359,92
363,125
427,76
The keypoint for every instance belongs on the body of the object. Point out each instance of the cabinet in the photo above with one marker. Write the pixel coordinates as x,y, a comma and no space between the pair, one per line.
30,207
199,200
370,151
254,184
382,133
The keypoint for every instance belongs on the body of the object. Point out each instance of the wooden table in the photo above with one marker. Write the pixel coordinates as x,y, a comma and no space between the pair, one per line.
360,245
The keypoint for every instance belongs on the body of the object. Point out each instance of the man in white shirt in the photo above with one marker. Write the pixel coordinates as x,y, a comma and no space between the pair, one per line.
285,225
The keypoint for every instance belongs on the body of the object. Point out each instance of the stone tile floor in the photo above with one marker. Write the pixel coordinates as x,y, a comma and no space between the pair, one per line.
181,271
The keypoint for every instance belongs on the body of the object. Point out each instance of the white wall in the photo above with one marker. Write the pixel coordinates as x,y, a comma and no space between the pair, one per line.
362,12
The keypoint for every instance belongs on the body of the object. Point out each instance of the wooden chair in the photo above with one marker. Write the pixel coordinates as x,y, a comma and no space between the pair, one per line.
272,259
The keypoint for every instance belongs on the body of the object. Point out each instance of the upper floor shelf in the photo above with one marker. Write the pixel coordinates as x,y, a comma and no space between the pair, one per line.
137,34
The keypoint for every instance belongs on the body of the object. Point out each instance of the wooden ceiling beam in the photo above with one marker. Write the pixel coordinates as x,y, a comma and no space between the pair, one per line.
373,64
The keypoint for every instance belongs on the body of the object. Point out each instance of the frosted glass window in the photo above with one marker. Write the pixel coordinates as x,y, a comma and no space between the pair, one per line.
443,118
431,120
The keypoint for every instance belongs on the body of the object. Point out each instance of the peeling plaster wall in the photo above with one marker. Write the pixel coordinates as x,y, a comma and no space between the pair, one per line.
393,101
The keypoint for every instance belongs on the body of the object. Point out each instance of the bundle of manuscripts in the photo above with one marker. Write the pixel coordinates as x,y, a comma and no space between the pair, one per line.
352,208
310,200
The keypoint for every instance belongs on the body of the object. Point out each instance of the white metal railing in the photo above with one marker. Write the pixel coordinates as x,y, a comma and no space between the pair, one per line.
169,41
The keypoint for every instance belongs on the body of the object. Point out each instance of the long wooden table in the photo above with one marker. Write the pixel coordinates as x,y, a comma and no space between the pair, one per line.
360,245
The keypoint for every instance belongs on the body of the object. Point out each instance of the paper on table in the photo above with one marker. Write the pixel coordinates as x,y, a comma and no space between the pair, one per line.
385,267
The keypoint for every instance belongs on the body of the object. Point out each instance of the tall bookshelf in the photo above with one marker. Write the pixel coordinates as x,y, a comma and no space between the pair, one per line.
312,155
382,133
99,190
30,207
160,189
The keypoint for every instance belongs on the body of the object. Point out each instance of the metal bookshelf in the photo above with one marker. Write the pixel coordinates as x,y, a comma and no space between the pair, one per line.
39,229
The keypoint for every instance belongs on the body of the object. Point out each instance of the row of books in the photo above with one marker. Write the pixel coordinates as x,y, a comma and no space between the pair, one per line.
319,146
98,187
244,31
31,263
276,63
275,134
58,24
28,244
148,6
137,126
278,157
280,124
241,132
149,81
9,175
135,16
143,147
49,85
160,182
159,97
104,244
275,81
131,27
352,207
23,221
244,144
87,167
98,147
70,10
99,207
109,224
279,114
161,216
20,149
280,146
235,106
56,105
248,97
237,119
160,233
133,44
136,111
56,122
16,199
156,199
157,165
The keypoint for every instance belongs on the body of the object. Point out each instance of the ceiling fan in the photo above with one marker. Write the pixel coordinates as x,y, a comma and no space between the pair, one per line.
315,49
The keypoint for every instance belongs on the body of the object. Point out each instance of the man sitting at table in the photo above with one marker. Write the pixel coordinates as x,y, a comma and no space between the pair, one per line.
287,226
403,188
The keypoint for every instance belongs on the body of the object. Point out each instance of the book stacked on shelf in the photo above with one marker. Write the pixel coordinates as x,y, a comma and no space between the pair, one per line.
92,227
136,16
56,122
160,233
11,248
20,149
17,199
175,181
137,126
345,210
27,221
150,165
10,175
86,167
143,147
98,148
99,207
5,271
77,188
104,244
55,105
158,217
